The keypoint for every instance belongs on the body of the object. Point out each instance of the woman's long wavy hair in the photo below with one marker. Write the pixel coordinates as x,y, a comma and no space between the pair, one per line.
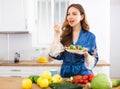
66,36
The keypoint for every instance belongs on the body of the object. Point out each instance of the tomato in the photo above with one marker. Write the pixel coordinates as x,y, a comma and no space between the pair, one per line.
85,81
77,77
74,81
85,77
90,77
81,81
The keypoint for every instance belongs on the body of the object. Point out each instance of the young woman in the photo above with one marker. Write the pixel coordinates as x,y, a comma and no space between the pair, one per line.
75,31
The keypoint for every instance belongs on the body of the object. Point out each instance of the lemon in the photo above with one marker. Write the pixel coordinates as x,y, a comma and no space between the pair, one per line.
26,83
42,59
42,82
52,80
58,78
38,80
46,74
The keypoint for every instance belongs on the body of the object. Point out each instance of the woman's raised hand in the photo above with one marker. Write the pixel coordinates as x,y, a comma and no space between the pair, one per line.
57,28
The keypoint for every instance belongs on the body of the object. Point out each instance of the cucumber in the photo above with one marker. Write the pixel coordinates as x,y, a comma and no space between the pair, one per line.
65,86
72,47
33,78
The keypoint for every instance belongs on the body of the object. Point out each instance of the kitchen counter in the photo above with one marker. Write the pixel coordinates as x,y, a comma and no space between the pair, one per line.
52,63
15,83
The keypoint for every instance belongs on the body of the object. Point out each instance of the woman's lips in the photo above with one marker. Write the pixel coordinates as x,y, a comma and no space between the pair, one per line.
71,22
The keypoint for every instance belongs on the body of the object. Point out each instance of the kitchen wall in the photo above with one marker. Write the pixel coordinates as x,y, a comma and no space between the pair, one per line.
21,43
114,38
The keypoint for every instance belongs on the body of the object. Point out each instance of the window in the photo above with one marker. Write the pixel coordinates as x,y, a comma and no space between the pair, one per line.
48,12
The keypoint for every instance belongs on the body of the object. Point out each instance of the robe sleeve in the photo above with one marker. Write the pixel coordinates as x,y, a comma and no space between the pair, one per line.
56,49
92,60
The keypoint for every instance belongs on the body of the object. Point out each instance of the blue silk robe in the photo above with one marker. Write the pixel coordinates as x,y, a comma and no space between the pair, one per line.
73,64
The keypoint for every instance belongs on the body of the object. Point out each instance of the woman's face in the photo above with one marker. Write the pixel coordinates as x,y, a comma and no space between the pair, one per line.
74,17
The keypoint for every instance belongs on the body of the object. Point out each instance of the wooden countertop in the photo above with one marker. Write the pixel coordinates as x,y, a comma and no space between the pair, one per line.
34,63
15,83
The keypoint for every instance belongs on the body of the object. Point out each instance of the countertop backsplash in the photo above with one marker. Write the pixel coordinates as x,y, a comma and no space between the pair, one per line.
21,43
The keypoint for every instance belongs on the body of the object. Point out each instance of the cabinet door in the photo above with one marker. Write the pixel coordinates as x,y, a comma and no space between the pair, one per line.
49,68
102,69
13,15
22,71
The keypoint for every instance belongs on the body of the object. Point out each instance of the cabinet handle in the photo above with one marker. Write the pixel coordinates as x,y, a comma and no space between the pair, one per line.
15,70
15,76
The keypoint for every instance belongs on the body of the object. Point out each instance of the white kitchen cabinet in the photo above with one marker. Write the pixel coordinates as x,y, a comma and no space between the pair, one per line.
50,68
13,15
22,71
25,71
96,70
102,69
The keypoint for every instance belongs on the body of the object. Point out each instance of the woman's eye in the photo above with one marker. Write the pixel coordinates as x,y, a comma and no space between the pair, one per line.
74,14
68,14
